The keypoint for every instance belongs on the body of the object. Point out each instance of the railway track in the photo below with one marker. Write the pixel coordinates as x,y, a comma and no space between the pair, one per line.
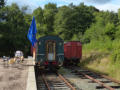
89,79
52,81
102,80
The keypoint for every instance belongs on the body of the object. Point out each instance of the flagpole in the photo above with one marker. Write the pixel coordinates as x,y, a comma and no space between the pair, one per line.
34,50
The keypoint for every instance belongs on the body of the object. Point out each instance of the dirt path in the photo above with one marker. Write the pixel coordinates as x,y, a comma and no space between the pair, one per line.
13,77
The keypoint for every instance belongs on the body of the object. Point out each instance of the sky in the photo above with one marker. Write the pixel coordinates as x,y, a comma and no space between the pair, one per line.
111,5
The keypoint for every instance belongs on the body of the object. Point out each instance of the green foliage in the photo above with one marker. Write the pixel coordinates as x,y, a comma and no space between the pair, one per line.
96,31
110,30
60,22
72,21
119,15
117,33
13,30
49,12
103,29
115,52
2,3
102,46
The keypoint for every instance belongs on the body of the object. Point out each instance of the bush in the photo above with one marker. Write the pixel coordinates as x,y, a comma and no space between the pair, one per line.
116,52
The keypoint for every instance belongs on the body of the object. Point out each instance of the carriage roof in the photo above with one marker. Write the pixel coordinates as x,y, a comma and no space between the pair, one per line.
50,38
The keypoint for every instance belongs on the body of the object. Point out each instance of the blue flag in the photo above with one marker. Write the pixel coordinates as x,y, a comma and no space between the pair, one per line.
32,32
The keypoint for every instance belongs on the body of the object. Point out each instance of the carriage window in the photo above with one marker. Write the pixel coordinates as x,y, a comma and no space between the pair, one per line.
51,52
39,43
60,43
51,47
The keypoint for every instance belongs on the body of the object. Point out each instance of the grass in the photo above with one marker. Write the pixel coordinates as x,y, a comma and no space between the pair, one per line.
102,57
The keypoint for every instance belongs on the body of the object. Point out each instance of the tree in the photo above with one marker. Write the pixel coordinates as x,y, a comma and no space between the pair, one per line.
60,22
50,11
109,17
110,30
96,31
2,3
15,30
70,21
103,28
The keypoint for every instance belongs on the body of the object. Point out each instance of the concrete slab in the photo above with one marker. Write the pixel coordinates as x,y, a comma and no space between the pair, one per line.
13,76
31,82
30,61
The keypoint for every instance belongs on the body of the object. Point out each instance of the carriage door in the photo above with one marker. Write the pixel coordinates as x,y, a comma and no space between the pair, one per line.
51,50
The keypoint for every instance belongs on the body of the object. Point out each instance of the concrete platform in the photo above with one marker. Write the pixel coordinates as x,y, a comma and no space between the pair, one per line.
13,76
31,82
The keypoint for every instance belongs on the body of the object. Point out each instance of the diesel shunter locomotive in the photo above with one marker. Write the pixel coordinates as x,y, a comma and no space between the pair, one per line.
49,52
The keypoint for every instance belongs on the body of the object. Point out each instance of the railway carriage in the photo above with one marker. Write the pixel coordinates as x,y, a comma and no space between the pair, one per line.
72,52
49,52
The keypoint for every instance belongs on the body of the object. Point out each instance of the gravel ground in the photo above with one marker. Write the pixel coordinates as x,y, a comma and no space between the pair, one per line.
87,84
83,84
13,77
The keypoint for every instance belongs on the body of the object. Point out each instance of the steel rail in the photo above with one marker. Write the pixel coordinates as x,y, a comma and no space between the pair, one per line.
61,77
45,81
109,78
97,81
104,76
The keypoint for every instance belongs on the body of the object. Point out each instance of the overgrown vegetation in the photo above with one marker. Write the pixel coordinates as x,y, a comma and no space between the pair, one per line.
103,57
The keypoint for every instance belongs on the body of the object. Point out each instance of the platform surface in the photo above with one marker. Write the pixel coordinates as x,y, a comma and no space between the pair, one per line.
13,76
17,76
31,81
